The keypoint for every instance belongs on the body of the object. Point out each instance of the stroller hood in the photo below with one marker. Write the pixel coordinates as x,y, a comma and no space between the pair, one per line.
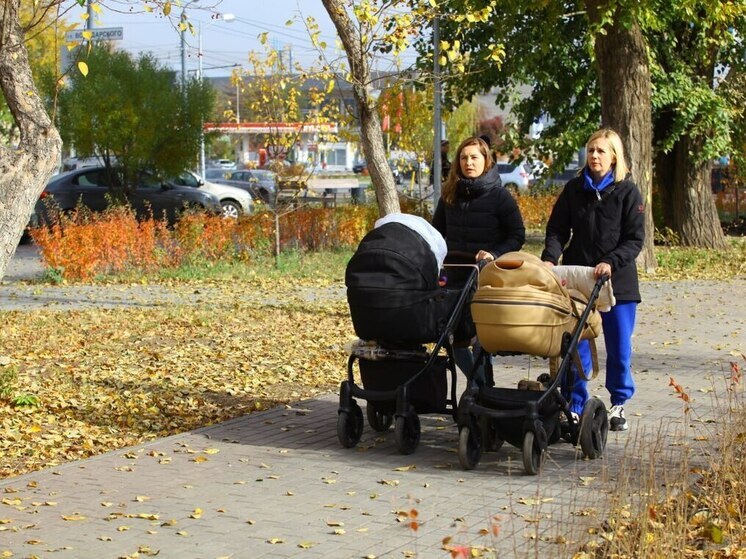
393,256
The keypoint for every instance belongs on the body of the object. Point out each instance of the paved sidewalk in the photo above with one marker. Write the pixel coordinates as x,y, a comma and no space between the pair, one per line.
278,484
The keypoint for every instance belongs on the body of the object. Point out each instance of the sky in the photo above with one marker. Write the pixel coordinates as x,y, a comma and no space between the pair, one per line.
224,44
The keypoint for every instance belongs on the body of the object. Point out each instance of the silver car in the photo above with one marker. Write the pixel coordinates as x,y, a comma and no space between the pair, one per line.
260,183
514,176
234,201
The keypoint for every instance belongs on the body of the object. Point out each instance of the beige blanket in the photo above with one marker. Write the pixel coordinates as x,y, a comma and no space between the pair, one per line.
581,278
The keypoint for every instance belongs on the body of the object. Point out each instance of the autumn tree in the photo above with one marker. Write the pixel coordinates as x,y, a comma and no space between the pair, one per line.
698,55
44,33
28,160
288,100
374,30
407,115
359,30
134,112
277,94
25,165
589,68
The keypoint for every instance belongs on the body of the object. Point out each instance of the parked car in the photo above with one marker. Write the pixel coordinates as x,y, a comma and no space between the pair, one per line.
216,173
260,183
234,201
93,187
515,176
361,167
223,164
555,181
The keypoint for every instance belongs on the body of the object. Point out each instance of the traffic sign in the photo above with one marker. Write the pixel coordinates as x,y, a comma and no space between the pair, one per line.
98,34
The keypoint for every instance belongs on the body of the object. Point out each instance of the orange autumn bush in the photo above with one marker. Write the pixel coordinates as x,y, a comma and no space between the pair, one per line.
536,210
200,236
83,245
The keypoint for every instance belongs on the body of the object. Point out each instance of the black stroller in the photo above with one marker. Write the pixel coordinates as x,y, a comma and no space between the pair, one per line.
400,307
528,417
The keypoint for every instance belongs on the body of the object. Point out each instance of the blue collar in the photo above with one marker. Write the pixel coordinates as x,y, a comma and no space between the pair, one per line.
605,181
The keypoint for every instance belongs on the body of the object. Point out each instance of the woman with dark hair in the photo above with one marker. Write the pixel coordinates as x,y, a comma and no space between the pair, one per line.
476,215
598,221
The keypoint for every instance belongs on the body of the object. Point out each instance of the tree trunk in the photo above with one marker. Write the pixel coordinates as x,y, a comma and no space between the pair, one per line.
624,76
695,217
25,168
370,126
664,175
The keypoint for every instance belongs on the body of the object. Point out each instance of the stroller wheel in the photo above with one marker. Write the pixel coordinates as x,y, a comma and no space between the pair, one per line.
469,448
407,431
534,453
379,418
350,426
594,429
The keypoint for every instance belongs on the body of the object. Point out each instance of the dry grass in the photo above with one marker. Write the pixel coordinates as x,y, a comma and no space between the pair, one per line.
686,500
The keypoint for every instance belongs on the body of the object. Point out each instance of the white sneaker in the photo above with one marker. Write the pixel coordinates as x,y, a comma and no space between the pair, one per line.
617,421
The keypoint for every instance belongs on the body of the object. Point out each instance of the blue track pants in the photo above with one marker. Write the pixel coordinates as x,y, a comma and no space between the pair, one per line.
618,326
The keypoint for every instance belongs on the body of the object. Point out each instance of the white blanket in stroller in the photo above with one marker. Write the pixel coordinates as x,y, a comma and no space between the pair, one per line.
581,278
426,231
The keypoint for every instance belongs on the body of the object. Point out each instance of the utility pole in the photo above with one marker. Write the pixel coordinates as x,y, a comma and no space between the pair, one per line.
202,162
437,87
183,52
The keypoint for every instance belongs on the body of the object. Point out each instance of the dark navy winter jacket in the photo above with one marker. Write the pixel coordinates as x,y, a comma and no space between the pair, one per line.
485,216
610,229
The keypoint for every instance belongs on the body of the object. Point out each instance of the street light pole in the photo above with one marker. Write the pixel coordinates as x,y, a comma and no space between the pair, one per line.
183,26
202,164
238,101
227,18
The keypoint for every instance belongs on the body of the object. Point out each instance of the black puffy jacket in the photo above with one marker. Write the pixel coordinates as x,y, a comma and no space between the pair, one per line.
485,216
608,229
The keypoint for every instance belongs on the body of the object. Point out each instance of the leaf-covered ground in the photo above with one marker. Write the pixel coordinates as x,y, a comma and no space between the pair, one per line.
110,378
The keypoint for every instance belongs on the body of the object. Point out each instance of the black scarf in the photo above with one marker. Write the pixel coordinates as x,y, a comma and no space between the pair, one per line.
472,188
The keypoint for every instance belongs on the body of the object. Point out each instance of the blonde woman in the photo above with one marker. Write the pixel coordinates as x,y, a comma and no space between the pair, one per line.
598,220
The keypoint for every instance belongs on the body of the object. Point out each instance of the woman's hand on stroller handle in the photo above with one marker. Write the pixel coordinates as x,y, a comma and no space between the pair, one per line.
602,269
484,255
483,258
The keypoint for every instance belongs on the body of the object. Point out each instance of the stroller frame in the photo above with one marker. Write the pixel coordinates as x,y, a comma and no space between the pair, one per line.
379,402
530,419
